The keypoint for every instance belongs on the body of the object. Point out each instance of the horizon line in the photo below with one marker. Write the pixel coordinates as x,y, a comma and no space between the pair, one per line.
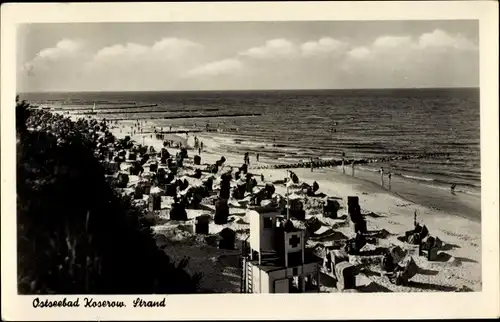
247,90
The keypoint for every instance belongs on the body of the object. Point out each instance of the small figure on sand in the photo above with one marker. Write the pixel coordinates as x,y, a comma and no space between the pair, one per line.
352,165
452,188
381,176
257,157
199,151
389,177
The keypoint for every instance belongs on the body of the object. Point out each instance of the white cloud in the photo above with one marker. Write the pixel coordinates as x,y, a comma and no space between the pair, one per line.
392,42
431,58
440,39
394,49
275,48
64,50
161,51
359,53
171,62
216,68
323,46
61,49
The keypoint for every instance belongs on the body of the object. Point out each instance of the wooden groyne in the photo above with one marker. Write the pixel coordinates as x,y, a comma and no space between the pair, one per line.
349,162
187,116
86,109
141,112
174,132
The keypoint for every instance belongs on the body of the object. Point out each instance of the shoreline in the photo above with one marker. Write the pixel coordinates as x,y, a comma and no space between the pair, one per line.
425,194
458,266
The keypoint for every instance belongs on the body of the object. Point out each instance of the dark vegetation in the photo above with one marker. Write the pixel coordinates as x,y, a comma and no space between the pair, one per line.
77,234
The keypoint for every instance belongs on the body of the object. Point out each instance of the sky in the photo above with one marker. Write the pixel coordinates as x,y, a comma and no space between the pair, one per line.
192,56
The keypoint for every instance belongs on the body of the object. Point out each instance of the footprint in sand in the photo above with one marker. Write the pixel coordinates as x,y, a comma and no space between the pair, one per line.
459,236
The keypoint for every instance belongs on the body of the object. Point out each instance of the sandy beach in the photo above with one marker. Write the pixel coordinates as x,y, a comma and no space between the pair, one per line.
457,267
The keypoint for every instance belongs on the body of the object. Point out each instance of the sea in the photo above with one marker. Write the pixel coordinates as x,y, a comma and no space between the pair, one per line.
302,124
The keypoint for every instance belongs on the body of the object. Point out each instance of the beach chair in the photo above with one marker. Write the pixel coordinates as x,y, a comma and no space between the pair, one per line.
155,202
404,271
178,212
345,273
228,238
197,160
430,247
221,212
201,224
330,209
153,167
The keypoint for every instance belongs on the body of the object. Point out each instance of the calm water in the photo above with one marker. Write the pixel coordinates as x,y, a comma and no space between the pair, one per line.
326,123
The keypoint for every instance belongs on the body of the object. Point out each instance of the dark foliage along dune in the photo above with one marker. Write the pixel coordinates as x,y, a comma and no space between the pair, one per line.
76,234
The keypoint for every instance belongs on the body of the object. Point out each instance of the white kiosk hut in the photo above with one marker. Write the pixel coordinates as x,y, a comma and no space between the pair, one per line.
277,260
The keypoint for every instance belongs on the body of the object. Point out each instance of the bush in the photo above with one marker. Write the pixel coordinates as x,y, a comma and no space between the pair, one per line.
76,235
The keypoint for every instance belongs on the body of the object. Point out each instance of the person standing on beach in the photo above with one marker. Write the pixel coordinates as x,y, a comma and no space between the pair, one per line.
312,165
352,165
257,157
343,165
389,177
199,151
382,176
453,186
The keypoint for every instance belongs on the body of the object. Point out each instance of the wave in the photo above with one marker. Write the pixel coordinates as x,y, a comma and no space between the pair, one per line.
415,177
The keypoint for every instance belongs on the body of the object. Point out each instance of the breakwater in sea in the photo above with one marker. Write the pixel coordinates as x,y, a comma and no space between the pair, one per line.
189,116
346,162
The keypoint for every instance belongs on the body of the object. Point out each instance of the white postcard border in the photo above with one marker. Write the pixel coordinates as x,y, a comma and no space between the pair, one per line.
236,306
